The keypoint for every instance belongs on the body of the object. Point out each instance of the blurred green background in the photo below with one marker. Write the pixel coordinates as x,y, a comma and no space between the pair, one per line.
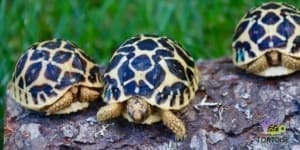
203,27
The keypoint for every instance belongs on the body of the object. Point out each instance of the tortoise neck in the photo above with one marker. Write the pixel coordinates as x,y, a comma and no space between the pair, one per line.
274,58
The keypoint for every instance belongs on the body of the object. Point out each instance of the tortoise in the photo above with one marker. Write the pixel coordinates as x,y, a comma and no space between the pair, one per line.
148,79
266,41
55,77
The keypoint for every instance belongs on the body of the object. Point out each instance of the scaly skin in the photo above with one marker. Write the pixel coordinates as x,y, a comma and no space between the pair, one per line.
87,94
258,65
262,63
110,111
62,103
175,124
290,62
138,109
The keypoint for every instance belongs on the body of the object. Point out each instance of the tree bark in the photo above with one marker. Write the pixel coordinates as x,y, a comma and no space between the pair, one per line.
240,110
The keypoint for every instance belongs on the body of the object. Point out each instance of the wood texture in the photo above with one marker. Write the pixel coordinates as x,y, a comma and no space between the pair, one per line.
246,106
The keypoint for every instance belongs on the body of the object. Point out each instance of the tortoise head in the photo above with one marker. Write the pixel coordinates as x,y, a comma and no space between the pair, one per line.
138,109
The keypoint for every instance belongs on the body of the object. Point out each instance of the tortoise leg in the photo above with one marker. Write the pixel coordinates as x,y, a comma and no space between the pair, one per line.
110,111
62,103
258,65
290,62
174,123
87,94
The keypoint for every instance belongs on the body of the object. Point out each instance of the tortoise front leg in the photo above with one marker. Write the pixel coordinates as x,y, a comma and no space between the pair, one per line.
65,101
110,111
174,123
88,94
258,65
290,62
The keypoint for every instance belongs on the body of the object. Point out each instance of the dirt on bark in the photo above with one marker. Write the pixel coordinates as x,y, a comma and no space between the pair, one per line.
240,108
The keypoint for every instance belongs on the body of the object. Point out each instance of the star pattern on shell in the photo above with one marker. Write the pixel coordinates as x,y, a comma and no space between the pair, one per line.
48,69
267,40
153,67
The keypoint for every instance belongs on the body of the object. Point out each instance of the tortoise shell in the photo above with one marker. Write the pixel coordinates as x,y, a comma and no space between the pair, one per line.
155,68
48,69
272,26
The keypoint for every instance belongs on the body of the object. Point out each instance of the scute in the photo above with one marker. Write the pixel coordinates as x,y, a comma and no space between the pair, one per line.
151,73
32,73
141,63
156,76
270,18
47,70
270,26
52,72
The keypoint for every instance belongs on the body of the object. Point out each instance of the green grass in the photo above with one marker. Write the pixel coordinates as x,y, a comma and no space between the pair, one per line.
203,27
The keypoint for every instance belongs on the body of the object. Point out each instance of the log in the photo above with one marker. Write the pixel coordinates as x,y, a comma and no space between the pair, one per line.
238,113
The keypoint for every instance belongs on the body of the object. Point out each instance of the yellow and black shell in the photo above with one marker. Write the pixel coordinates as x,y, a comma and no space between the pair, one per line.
155,68
47,70
272,26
